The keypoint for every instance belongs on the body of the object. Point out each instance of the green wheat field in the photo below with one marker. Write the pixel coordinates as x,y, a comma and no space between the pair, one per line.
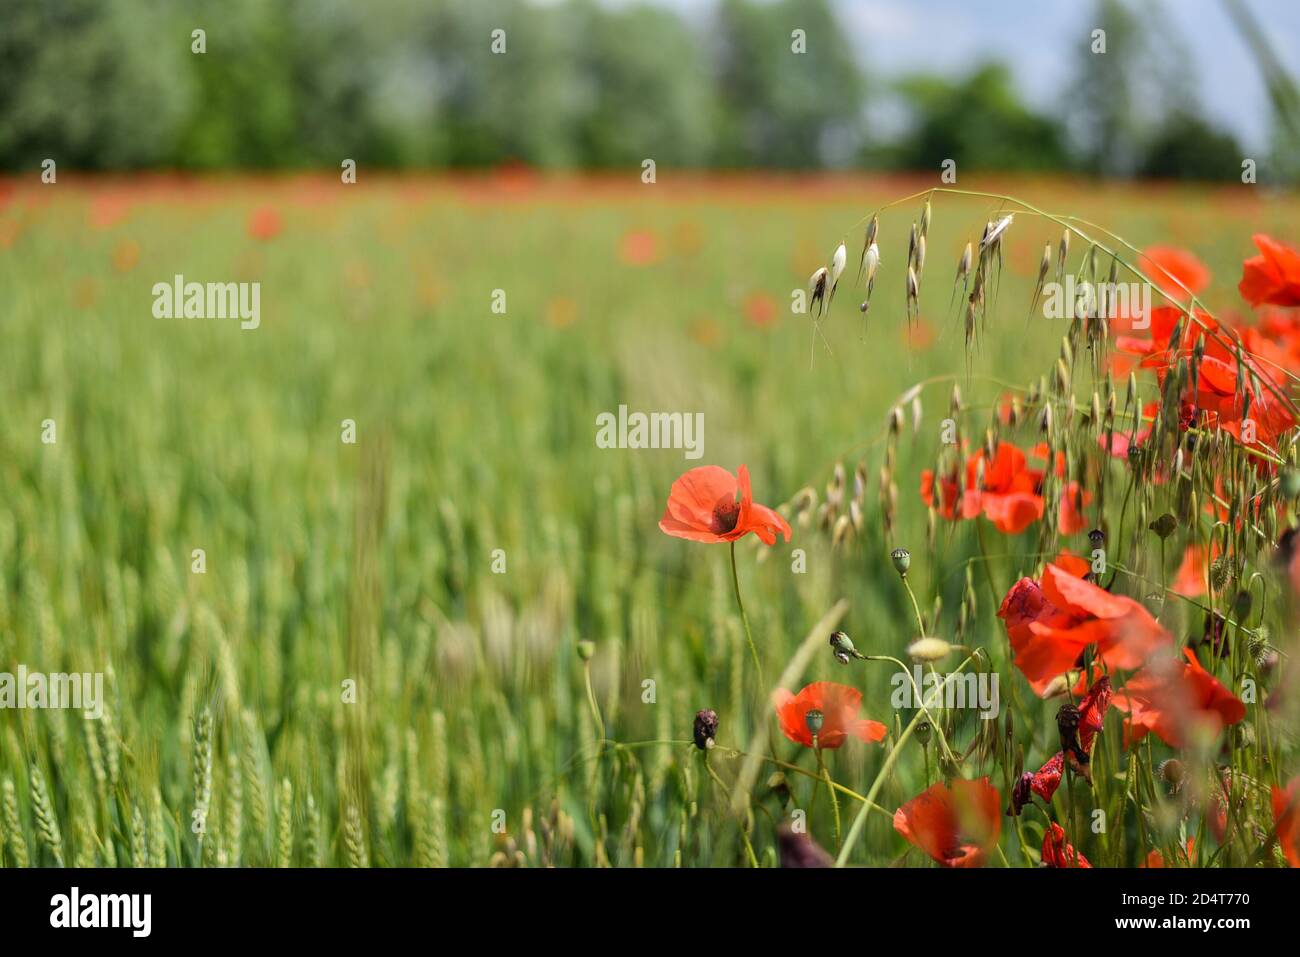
378,663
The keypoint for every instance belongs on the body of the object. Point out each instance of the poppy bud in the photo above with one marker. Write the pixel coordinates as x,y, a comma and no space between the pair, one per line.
1241,606
1021,793
843,646
814,719
586,649
1164,525
902,559
706,728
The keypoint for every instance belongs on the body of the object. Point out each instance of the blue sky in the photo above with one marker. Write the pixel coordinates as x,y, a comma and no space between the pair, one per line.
1037,38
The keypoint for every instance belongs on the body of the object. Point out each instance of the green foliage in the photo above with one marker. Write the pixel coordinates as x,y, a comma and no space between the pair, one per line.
979,122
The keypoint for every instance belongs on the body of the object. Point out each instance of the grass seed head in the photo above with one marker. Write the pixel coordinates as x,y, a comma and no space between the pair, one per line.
929,649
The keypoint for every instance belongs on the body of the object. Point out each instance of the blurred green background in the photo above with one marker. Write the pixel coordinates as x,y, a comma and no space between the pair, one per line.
113,84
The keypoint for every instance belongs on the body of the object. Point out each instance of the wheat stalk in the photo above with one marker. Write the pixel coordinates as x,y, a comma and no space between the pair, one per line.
47,822
13,825
284,813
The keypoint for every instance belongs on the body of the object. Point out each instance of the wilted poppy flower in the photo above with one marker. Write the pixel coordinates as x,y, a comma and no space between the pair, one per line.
1171,698
956,826
706,728
798,849
1044,782
1286,818
264,223
1052,622
709,504
834,709
1272,277
1058,852
1167,266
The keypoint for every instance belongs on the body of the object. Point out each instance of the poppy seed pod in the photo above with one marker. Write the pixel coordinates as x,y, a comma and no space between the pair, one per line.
706,728
586,649
902,560
814,719
1172,773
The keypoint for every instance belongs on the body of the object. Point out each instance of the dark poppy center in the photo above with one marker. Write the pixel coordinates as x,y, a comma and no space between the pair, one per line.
725,515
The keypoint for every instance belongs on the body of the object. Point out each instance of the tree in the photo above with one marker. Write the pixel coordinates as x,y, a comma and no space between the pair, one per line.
979,122
780,108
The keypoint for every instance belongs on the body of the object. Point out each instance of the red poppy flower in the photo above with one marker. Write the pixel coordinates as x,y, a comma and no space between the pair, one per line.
1190,579
639,247
1182,857
1010,494
264,223
1172,698
1052,622
1058,852
956,826
1286,817
709,504
1217,812
1231,364
838,705
760,309
1167,266
1272,277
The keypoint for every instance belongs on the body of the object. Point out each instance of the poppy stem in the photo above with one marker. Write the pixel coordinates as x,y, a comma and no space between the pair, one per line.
830,786
855,830
744,618
988,572
920,622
